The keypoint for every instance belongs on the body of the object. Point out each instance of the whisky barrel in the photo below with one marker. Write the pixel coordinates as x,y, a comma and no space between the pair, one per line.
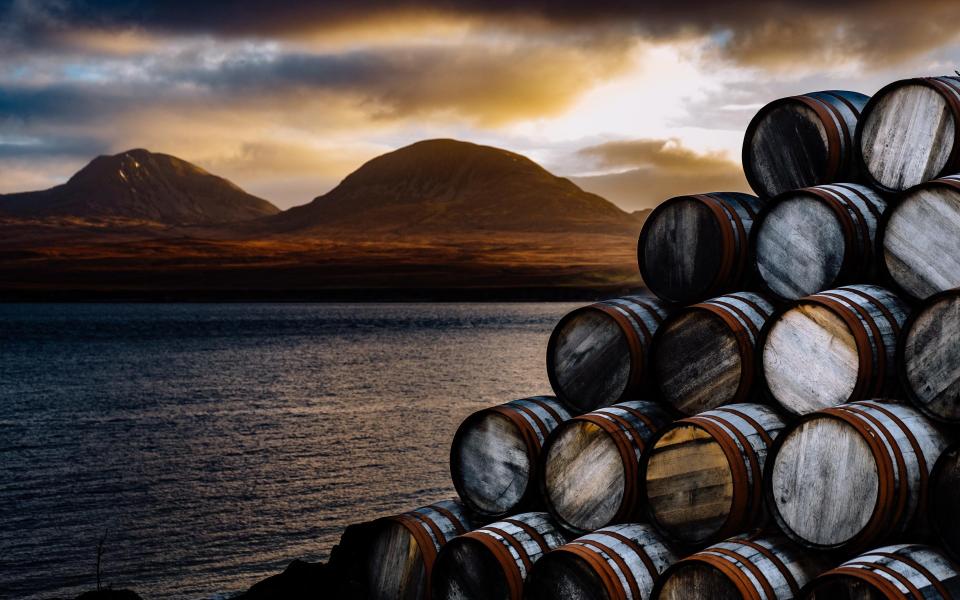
907,133
929,357
404,547
613,563
597,355
491,563
748,567
590,473
817,238
703,356
702,474
921,238
696,247
833,347
495,453
901,572
944,499
852,476
801,141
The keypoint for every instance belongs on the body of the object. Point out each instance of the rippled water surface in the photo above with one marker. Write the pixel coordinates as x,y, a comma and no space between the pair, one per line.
214,443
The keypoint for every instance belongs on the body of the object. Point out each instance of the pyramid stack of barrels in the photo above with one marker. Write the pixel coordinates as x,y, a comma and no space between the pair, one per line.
772,418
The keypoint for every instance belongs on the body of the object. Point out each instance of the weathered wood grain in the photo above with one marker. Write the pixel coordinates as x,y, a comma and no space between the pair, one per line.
921,239
598,355
907,132
929,357
801,141
817,238
492,562
495,452
901,572
945,500
402,552
612,563
590,471
695,247
852,476
757,566
833,347
703,356
702,475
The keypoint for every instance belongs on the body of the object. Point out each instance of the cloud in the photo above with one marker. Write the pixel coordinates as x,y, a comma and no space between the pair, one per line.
651,171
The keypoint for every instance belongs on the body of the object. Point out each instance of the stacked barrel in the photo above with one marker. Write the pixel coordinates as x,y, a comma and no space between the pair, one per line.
772,418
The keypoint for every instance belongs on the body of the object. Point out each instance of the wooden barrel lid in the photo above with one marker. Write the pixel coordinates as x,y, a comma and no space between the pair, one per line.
697,362
395,568
590,359
681,249
921,239
467,569
800,246
491,462
810,359
564,576
944,500
825,482
689,483
785,148
696,580
906,135
929,358
584,476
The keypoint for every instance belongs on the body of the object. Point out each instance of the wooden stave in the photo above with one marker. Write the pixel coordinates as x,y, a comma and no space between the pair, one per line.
607,552
893,496
948,538
639,317
734,214
885,386
901,362
431,527
528,537
745,314
896,572
631,443
949,181
535,423
791,567
862,215
839,112
940,85
748,504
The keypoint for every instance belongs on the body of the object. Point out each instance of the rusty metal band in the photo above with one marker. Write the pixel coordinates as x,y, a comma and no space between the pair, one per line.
894,326
865,245
729,257
639,551
544,430
596,563
949,93
879,347
515,544
650,308
441,537
428,547
902,480
885,492
741,493
777,563
737,311
737,577
846,224
867,201
868,576
768,591
742,203
511,570
458,525
833,134
628,457
864,347
646,420
545,404
535,535
767,440
845,102
741,238
624,568
916,566
763,312
639,441
755,468
633,342
526,432
917,450
647,334
846,140
744,345
893,573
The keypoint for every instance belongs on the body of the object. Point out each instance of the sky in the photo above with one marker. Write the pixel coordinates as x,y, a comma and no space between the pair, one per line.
637,101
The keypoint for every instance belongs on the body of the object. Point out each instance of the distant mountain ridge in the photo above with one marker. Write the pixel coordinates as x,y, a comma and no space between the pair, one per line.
143,185
449,186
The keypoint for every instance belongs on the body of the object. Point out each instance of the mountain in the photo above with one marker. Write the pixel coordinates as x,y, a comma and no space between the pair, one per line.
142,185
451,187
